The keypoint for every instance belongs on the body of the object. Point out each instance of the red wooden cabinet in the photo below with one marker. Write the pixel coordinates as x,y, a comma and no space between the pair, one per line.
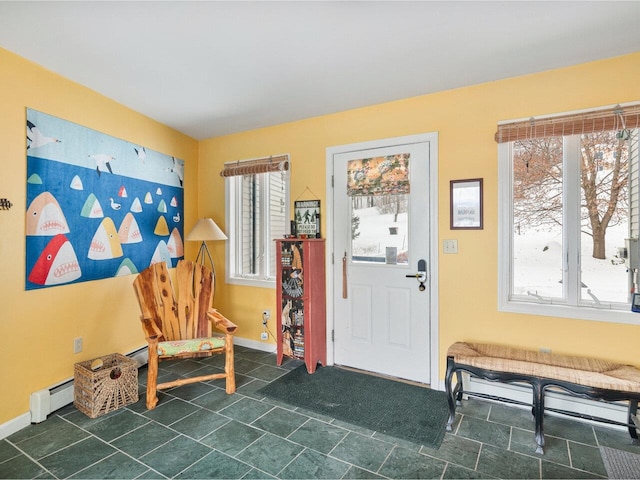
301,301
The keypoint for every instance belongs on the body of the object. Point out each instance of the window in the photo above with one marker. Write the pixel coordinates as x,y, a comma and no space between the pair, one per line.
257,193
568,216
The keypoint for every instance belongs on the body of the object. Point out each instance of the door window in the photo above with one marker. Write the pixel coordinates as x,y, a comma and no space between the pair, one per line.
380,229
379,191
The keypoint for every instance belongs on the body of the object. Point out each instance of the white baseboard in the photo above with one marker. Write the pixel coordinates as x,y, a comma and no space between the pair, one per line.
255,344
14,425
611,411
52,403
141,356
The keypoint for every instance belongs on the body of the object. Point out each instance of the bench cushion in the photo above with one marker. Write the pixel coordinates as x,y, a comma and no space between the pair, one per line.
590,372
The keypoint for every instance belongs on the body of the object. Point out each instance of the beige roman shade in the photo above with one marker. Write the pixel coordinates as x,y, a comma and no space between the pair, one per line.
278,163
615,118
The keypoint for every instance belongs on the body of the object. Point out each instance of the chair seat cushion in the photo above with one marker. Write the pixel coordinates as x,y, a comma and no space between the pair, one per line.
179,347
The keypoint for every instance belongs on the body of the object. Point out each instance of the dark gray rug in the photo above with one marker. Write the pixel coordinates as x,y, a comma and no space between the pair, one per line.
393,408
620,464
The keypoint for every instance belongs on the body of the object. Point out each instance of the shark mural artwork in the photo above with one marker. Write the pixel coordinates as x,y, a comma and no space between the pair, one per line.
97,206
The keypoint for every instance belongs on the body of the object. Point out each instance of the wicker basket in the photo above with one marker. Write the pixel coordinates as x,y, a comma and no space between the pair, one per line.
112,386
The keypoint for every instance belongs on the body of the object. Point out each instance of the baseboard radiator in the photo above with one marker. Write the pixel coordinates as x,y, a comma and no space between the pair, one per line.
48,400
581,407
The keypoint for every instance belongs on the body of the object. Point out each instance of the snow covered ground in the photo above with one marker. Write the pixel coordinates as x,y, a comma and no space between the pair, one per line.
539,266
375,235
538,255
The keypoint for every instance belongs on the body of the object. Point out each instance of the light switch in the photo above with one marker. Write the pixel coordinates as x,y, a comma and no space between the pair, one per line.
450,246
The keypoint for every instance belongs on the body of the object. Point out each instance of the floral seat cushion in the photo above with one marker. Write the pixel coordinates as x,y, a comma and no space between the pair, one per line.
178,347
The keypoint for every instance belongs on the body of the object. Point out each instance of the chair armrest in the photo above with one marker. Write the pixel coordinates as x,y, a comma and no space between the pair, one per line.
221,322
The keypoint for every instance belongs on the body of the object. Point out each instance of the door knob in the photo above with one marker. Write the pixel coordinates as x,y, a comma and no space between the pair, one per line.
421,276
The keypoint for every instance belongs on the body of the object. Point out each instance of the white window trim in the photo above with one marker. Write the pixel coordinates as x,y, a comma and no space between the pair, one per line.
231,248
505,254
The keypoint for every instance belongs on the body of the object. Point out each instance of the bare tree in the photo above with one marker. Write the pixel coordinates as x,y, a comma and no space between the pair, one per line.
537,185
604,178
538,188
395,204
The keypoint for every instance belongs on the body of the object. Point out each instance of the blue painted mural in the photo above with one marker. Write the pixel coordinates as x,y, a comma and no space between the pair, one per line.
97,206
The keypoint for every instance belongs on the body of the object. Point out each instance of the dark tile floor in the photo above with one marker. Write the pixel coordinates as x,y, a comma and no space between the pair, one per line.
198,431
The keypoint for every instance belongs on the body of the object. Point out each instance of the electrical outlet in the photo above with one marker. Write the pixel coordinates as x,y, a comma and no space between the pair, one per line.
264,336
266,315
77,345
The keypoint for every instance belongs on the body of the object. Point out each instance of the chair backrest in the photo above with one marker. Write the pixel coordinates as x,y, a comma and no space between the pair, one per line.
179,314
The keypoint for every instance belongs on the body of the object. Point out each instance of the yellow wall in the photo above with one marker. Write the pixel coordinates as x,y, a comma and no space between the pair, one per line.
37,327
465,120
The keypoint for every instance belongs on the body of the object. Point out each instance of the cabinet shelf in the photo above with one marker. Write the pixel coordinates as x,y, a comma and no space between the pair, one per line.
301,301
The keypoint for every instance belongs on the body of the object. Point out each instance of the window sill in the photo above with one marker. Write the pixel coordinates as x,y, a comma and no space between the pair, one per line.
249,282
565,311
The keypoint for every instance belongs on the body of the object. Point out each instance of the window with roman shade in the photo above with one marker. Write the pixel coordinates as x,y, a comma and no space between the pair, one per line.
257,212
568,213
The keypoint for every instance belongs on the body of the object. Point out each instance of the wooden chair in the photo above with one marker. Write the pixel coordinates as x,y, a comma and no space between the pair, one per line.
179,325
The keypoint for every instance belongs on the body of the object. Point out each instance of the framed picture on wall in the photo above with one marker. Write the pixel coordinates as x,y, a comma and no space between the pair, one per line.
466,204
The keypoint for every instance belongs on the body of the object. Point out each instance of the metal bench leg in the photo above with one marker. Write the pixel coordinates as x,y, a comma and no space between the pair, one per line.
538,412
450,393
458,391
633,410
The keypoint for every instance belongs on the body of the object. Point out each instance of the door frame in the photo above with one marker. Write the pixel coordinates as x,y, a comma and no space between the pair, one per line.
333,261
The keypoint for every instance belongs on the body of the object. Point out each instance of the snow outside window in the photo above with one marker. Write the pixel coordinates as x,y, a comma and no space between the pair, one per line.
257,214
568,205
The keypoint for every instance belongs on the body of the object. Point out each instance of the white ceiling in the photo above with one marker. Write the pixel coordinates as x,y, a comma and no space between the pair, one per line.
211,68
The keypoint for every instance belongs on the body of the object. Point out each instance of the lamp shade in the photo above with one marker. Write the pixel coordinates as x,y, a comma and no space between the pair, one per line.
206,229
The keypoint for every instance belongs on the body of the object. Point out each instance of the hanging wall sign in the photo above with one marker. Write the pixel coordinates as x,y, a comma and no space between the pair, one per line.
97,206
307,218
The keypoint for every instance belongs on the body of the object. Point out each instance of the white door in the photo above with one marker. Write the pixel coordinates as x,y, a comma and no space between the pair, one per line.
381,317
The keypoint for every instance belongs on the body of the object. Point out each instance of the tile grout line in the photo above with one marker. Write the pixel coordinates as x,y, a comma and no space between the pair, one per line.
475,468
91,434
350,466
22,452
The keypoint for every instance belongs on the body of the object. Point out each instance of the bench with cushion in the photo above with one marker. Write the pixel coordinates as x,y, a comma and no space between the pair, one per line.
580,376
